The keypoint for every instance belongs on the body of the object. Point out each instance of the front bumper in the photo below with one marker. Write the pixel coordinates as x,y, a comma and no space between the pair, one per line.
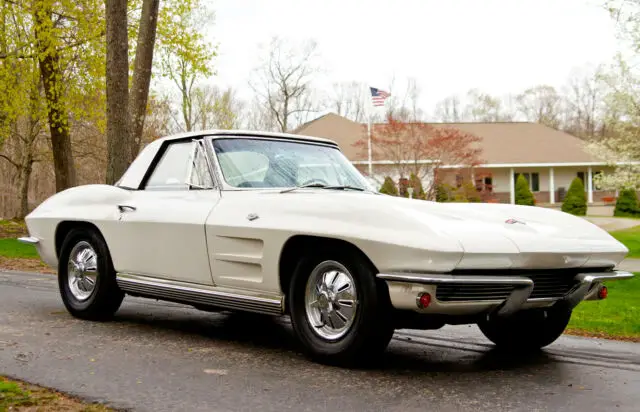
405,289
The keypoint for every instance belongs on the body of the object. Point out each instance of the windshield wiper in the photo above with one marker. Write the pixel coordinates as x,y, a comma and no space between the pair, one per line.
323,186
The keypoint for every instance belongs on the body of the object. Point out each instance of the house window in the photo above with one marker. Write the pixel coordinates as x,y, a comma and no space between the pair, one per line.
484,184
459,180
532,178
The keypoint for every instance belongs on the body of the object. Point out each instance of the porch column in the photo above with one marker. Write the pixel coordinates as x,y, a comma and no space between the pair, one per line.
512,186
589,185
552,187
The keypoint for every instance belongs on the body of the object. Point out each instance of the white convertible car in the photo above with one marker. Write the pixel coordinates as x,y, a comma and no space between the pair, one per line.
284,225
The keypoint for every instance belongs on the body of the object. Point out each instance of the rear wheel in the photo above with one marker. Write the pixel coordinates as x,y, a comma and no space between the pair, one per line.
340,313
86,277
528,330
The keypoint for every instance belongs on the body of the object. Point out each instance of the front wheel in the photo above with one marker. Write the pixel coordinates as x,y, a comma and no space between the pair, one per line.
528,330
86,277
339,311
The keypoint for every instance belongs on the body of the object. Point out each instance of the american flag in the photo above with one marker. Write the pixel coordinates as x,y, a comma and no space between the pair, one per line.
378,96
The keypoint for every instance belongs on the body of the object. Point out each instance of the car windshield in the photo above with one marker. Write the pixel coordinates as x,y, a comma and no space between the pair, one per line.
284,164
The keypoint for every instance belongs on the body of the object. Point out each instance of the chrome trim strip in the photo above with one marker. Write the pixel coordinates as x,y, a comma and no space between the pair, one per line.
29,240
441,278
193,294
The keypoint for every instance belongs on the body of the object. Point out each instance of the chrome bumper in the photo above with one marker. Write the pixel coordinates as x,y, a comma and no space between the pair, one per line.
405,287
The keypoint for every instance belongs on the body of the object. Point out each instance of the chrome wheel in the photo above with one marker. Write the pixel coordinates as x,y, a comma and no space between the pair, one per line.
330,300
82,271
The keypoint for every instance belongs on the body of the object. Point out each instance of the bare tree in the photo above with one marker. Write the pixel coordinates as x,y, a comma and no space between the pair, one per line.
283,83
215,108
483,107
348,100
449,110
584,101
541,104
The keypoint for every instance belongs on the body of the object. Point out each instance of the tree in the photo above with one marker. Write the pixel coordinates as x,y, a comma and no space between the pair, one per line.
389,187
449,110
523,193
416,184
421,148
483,107
139,96
575,202
541,104
627,204
584,104
184,55
348,100
215,108
283,83
119,141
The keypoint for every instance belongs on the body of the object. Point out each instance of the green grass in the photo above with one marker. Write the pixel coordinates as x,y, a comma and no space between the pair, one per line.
630,238
616,316
11,248
13,396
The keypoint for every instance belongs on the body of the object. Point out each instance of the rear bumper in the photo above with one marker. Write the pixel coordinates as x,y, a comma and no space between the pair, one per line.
405,288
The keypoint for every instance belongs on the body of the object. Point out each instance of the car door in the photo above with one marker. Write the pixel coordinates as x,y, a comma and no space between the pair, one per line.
162,226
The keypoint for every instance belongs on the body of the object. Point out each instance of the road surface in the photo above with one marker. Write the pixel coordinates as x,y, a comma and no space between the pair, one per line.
164,357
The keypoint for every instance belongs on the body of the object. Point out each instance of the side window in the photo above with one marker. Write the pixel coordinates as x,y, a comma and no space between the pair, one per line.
177,167
200,176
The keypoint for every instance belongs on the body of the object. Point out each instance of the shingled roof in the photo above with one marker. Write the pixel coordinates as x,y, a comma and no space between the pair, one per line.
502,142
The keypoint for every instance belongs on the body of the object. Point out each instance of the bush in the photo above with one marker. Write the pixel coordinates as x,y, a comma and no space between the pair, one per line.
627,204
442,192
575,201
416,184
388,187
523,194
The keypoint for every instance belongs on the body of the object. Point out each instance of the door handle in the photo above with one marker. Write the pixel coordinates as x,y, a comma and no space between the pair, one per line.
124,208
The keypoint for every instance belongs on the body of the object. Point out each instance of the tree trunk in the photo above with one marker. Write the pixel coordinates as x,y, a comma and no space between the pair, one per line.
119,149
56,111
142,72
23,178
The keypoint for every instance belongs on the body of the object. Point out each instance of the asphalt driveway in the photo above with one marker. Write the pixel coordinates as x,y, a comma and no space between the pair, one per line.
165,357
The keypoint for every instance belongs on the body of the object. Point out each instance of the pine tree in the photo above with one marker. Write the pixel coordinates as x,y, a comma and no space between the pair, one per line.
388,187
627,204
575,201
523,194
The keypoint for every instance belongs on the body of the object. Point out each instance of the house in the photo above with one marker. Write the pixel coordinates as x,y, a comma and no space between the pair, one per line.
550,159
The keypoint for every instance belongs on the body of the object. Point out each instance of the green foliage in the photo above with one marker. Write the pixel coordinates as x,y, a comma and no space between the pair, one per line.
630,238
627,204
389,187
575,201
523,194
416,184
466,193
442,192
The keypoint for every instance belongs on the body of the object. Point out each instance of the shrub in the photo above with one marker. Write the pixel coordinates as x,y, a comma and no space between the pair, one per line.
388,187
627,204
442,192
416,184
470,193
575,202
523,194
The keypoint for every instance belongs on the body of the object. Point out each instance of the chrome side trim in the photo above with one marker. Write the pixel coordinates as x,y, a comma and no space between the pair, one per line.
199,294
29,240
589,282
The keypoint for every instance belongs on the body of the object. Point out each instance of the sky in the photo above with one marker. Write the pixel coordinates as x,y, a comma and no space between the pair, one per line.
447,46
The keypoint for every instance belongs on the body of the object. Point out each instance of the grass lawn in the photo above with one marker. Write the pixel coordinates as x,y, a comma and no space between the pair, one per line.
630,238
616,316
19,396
11,248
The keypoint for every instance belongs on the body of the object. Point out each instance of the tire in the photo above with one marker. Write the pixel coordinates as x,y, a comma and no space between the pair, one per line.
362,336
83,301
527,331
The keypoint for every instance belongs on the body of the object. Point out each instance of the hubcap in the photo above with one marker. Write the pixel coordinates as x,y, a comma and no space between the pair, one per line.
82,271
330,300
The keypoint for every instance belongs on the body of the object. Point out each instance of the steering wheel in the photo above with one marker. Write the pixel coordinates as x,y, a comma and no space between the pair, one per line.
321,181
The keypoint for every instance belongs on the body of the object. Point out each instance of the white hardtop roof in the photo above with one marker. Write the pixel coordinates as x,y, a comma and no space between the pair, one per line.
134,175
245,133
